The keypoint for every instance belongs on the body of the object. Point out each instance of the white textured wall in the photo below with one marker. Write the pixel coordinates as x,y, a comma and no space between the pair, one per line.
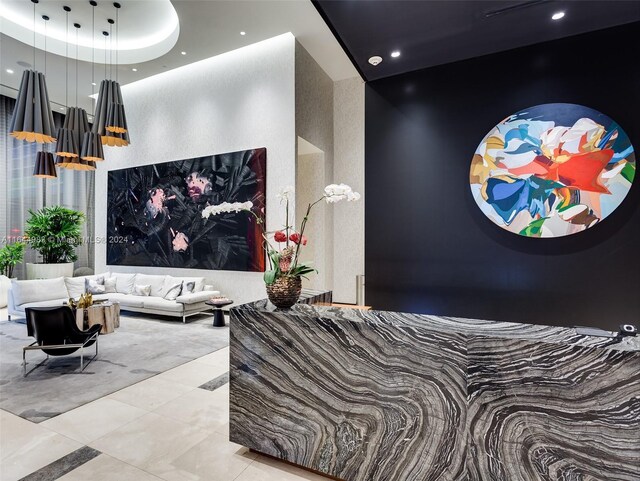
310,176
238,100
314,123
348,167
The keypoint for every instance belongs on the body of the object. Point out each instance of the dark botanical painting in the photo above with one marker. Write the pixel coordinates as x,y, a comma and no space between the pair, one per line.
154,215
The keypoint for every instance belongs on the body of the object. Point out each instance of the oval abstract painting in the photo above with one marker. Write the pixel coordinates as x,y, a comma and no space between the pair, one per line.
552,170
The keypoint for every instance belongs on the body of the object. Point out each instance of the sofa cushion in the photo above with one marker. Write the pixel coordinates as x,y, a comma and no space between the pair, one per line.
127,300
76,285
159,304
49,303
124,282
110,285
139,290
156,283
196,297
38,290
198,282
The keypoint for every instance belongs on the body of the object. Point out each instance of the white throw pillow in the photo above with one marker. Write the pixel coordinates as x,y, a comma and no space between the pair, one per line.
198,282
139,290
156,283
94,286
173,292
188,287
110,285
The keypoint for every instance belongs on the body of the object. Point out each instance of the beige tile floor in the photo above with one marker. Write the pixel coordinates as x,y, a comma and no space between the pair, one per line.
163,428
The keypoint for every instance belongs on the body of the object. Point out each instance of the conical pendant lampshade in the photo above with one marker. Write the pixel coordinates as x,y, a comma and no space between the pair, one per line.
45,166
32,119
116,119
71,135
109,94
66,146
92,147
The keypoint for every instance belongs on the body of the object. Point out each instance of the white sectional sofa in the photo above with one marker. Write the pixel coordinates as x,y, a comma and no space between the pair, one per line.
54,292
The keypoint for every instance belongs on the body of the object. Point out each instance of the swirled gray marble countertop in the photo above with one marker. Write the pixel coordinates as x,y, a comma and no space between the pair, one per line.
470,327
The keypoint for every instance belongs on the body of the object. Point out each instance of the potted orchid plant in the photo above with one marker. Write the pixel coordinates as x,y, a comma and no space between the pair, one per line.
283,279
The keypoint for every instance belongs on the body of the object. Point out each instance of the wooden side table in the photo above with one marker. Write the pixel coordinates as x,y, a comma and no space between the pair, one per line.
106,314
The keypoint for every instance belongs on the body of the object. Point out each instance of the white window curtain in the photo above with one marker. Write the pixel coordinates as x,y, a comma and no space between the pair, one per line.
21,192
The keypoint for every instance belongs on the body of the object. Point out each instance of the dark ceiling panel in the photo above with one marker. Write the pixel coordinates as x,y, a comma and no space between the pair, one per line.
434,32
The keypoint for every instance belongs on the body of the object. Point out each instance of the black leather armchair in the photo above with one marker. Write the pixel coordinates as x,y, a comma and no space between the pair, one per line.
57,334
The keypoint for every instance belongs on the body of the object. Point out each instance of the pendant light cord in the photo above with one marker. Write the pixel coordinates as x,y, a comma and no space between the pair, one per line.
34,35
93,58
77,29
66,65
117,39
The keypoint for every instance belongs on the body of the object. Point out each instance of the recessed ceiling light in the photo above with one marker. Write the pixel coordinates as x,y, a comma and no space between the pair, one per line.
375,60
557,16
93,83
243,33
134,69
395,53
183,53
9,70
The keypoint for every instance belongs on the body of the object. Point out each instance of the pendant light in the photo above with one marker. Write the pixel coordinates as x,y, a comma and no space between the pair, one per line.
45,167
92,143
76,121
116,118
66,147
109,93
32,119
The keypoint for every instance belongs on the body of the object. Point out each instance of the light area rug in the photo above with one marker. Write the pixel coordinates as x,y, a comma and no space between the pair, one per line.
142,347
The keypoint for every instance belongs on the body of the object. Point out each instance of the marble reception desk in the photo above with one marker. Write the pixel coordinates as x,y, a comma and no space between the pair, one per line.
384,396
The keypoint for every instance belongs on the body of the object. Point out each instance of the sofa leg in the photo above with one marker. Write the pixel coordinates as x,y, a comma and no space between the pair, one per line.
9,317
184,319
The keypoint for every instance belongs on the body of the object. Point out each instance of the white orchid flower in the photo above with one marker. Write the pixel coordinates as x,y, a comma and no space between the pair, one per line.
225,208
286,193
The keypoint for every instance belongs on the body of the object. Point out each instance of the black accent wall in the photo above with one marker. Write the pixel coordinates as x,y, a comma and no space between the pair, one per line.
429,248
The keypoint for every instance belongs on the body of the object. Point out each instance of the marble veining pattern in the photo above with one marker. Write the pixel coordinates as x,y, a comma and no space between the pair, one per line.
365,395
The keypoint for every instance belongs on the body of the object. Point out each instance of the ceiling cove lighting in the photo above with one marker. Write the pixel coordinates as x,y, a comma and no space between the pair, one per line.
32,119
557,16
91,149
116,116
395,53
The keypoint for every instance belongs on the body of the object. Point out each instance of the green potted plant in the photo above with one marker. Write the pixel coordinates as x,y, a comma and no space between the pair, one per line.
10,256
54,232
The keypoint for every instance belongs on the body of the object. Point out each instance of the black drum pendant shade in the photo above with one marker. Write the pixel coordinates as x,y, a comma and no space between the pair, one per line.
92,147
45,166
109,94
32,119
